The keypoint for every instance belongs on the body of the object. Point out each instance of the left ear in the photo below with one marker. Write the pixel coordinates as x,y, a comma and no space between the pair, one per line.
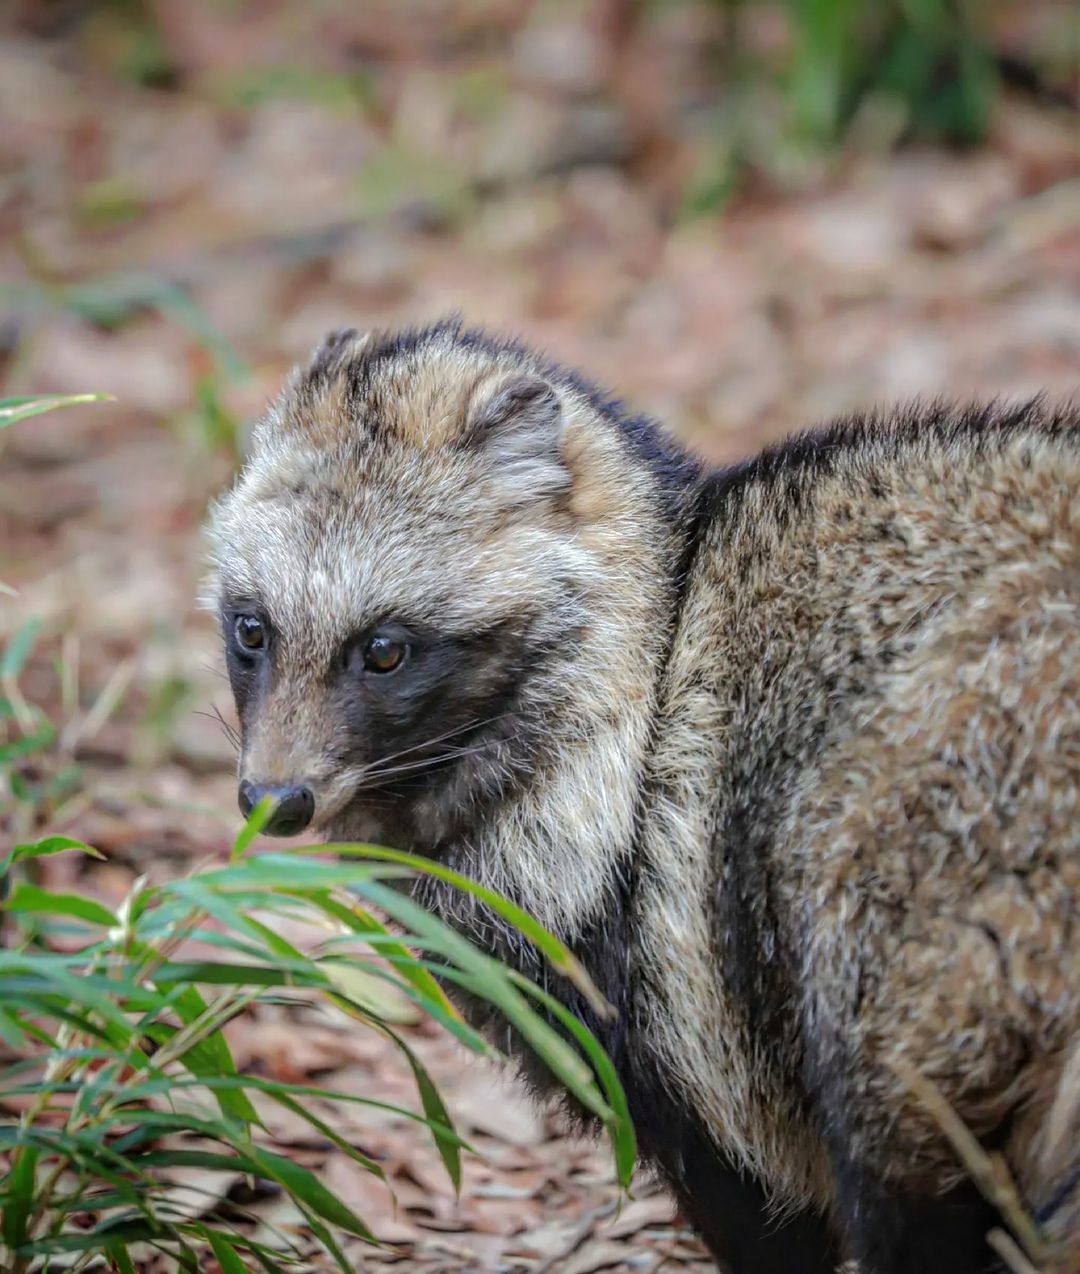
333,349
518,426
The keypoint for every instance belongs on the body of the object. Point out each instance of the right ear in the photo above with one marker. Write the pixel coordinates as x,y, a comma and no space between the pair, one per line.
518,427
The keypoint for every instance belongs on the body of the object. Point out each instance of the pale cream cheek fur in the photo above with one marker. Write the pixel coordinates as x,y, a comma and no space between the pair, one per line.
556,847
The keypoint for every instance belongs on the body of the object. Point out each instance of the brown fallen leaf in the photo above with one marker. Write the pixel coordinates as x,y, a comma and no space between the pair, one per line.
639,1214
599,1254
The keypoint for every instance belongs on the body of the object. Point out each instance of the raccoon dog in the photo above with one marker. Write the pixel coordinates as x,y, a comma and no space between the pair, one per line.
787,753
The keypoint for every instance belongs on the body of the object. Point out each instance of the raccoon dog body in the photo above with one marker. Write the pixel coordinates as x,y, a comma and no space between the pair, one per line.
789,754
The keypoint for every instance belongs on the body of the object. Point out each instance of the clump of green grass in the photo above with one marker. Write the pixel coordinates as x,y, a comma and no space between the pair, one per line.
928,63
118,1036
836,77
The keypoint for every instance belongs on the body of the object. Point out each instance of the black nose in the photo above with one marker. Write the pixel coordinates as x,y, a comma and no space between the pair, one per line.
293,806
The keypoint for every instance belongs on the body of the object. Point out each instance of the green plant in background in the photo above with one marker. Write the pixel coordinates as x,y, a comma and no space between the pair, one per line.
38,776
925,68
40,782
127,37
12,410
245,89
210,423
928,62
125,1071
109,301
847,75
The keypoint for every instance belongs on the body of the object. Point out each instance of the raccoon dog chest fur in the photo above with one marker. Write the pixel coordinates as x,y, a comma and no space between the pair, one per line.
788,754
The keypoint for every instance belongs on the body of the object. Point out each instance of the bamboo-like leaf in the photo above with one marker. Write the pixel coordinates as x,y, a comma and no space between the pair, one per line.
621,1126
326,1238
362,922
49,845
486,978
214,973
556,953
210,1055
306,1188
118,1257
224,1252
18,649
12,1031
381,997
275,943
107,1233
211,1160
13,410
226,908
158,1087
112,1138
447,1142
320,1125
19,1196
84,990
264,1255
28,898
257,820
455,1024
149,1126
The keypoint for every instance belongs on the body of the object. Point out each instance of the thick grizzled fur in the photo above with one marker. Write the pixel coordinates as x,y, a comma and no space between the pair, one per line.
789,754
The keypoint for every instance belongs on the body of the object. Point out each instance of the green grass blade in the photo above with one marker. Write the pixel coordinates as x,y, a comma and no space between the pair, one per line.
257,820
224,1252
28,898
117,1255
210,1055
13,410
306,1188
555,952
19,1192
621,1126
49,845
320,1125
18,649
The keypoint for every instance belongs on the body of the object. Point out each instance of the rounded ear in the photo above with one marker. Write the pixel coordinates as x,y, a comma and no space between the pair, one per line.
518,427
333,349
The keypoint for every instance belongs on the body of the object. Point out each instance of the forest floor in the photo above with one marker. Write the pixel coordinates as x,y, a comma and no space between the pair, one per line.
524,189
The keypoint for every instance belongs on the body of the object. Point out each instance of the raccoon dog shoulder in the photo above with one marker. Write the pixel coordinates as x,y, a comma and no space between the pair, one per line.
789,754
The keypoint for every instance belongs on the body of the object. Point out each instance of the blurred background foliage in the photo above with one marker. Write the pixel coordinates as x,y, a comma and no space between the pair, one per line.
332,114
771,75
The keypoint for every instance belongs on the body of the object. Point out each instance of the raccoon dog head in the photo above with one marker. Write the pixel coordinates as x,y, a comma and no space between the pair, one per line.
436,583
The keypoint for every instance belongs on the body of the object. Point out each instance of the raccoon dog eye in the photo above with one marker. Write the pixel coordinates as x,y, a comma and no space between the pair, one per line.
384,654
250,633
